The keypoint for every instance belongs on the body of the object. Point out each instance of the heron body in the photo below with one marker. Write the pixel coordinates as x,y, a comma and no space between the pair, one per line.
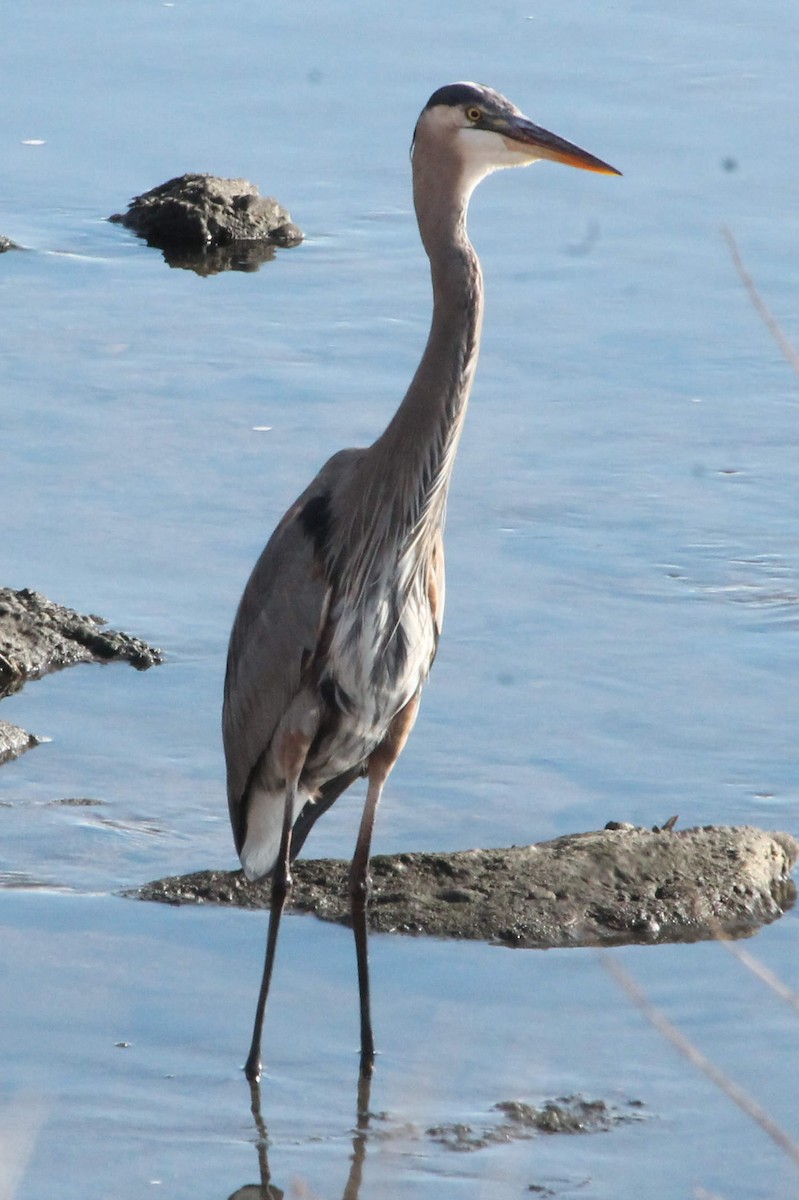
360,654
338,625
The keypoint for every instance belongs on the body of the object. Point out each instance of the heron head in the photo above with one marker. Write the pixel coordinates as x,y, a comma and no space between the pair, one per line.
489,133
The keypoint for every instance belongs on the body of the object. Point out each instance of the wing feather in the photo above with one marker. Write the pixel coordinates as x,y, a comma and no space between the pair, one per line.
277,628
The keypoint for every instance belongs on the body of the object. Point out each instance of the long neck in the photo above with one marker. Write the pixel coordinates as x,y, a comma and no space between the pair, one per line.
405,474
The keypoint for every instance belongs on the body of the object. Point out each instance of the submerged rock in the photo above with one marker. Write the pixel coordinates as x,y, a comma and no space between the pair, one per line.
612,886
209,224
520,1120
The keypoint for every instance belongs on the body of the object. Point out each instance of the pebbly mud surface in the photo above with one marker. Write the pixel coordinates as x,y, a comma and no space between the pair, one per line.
613,886
208,224
38,636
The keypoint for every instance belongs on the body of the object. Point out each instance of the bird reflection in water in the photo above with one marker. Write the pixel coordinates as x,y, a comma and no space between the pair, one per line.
266,1190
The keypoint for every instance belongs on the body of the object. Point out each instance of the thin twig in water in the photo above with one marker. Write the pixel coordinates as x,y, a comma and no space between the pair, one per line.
695,1056
764,973
769,320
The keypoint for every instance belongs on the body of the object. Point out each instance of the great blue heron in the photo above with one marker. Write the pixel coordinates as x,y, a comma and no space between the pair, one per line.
338,625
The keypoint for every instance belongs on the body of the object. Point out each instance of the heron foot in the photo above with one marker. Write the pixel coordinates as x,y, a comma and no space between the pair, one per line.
252,1067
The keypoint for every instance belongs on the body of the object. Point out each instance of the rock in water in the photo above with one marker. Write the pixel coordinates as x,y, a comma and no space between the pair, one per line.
608,887
38,636
15,741
197,215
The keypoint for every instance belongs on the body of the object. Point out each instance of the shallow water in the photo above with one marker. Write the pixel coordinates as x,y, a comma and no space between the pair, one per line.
623,570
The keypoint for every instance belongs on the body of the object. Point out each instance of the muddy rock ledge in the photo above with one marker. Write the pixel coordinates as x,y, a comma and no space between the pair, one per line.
616,885
38,636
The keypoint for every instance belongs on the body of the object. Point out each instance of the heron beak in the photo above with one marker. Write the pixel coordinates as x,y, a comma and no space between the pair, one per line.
523,137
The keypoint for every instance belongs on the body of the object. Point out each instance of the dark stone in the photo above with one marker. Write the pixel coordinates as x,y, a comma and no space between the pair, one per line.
207,224
38,636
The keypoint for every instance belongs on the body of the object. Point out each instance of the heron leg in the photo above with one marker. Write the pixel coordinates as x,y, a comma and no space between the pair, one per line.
281,887
380,764
359,898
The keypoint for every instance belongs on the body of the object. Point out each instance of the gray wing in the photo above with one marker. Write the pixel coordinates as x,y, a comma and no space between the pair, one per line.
276,632
436,587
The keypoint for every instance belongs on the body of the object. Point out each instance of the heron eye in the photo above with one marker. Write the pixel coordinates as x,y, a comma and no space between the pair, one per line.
473,114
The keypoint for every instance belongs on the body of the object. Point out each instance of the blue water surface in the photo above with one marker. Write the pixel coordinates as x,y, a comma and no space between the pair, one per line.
623,574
